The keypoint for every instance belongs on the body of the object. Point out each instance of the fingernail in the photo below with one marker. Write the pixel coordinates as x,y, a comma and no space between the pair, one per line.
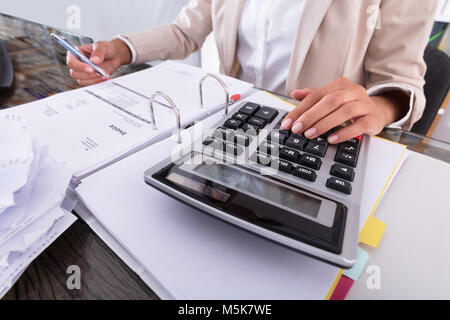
311,132
297,128
95,59
333,139
89,69
286,124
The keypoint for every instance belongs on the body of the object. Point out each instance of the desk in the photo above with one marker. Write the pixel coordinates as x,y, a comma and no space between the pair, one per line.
40,72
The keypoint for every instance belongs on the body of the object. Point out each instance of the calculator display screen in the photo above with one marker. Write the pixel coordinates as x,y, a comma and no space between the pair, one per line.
252,184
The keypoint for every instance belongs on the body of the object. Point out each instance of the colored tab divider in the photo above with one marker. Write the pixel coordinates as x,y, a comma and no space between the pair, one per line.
372,232
342,288
355,272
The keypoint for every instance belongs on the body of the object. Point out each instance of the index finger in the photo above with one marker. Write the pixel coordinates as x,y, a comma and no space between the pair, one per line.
310,100
74,64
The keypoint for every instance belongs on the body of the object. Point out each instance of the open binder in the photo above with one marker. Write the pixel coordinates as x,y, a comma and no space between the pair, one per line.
93,127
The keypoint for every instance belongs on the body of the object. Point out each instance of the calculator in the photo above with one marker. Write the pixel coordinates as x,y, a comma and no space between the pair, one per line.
299,193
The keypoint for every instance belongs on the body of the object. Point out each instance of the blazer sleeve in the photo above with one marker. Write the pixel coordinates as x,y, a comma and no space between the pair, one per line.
395,53
176,40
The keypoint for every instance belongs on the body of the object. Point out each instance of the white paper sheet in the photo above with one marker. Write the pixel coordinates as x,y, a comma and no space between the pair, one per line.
24,239
93,127
45,190
10,274
16,156
192,255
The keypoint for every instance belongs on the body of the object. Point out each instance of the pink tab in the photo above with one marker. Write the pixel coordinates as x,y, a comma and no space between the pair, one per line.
342,288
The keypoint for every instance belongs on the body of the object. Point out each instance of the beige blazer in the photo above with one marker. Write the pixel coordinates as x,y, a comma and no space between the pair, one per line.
336,38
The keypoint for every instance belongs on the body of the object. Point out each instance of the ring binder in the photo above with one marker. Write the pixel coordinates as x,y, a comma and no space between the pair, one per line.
172,105
224,86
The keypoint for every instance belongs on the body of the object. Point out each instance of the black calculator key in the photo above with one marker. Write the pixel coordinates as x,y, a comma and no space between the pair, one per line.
339,185
354,142
346,158
267,114
343,172
251,129
241,116
242,139
233,124
258,121
284,166
321,140
289,154
229,147
306,174
310,161
348,148
261,159
269,148
224,134
208,141
296,142
278,136
250,108
316,149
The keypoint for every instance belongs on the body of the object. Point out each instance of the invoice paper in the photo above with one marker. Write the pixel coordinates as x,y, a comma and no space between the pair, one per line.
93,127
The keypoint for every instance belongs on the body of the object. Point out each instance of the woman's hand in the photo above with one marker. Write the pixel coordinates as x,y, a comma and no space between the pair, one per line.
323,109
107,55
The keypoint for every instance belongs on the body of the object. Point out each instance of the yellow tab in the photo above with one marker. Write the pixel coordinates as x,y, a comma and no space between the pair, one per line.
372,232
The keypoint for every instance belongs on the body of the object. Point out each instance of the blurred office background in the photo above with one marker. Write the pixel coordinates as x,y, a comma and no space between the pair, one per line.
103,19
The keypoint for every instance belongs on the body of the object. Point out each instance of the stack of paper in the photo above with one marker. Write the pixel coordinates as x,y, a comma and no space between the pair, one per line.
32,189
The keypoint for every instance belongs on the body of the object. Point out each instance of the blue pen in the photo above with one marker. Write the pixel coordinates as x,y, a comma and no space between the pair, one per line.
77,53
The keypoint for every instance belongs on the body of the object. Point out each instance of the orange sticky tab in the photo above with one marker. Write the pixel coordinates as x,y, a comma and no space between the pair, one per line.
235,97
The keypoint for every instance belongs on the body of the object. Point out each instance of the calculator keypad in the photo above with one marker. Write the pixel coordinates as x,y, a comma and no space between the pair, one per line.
288,152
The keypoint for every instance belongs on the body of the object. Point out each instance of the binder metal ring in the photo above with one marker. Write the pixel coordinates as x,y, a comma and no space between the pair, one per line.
172,105
224,86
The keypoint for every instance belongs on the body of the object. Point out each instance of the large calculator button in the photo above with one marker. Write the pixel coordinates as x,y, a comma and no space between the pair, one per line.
269,148
310,161
346,158
267,114
339,185
258,121
348,148
296,142
278,136
316,149
306,174
242,139
233,124
251,129
241,116
343,172
289,154
250,108
284,166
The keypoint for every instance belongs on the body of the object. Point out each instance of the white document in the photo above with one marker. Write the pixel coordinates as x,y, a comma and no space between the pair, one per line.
28,236
45,190
184,254
16,156
10,274
93,127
